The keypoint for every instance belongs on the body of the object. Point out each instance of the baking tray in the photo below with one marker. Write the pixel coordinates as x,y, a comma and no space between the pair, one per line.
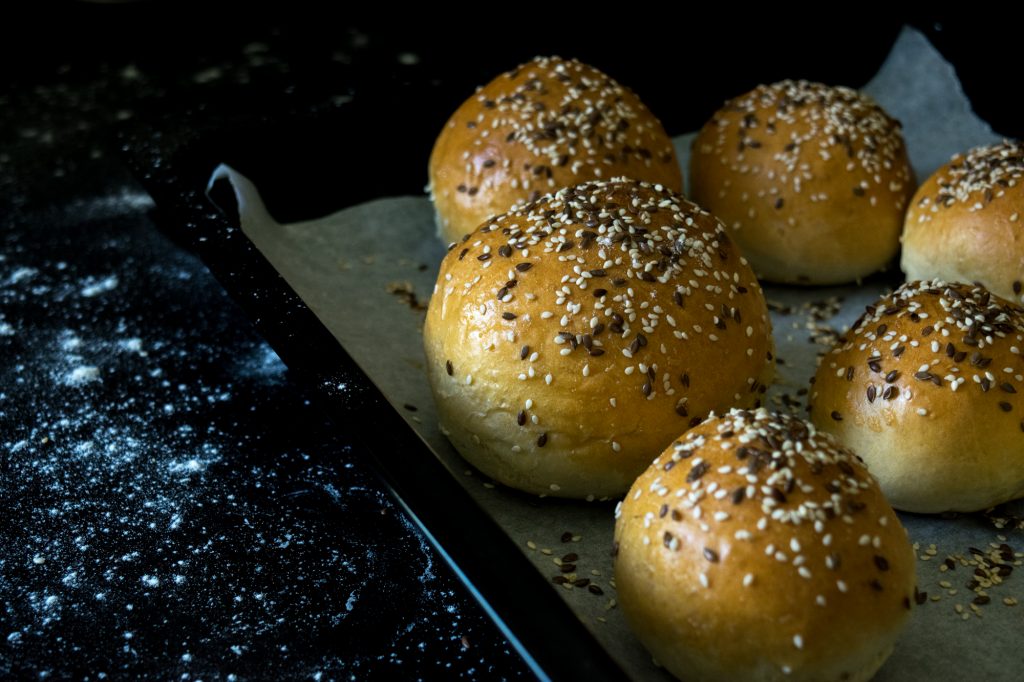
291,162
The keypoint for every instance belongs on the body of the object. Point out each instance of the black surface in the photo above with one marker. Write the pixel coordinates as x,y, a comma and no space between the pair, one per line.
173,506
182,508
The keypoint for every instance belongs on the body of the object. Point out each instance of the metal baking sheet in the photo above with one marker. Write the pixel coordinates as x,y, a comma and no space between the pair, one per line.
367,273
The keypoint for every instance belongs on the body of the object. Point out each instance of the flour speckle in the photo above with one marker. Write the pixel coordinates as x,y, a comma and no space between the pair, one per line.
93,287
133,345
22,274
82,375
69,342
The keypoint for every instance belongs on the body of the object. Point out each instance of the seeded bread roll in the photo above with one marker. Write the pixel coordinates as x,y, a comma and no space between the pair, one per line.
548,124
812,181
924,387
964,224
756,548
568,340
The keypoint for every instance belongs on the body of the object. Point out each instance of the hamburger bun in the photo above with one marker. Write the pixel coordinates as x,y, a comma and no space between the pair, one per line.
812,181
757,548
964,224
924,387
568,340
545,125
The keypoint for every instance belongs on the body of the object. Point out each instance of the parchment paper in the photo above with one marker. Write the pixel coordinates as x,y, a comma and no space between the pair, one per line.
368,270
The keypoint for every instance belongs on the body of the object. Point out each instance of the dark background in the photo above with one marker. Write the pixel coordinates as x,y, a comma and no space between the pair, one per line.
174,503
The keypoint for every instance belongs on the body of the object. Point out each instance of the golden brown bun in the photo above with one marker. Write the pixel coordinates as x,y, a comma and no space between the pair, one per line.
964,224
756,548
569,340
548,124
811,180
887,391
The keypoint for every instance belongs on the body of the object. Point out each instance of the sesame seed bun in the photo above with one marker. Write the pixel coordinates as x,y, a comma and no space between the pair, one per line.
545,125
924,387
964,224
568,340
812,181
756,548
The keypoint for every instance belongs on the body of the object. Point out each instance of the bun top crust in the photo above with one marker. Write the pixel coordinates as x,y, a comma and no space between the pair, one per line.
973,182
964,223
757,545
801,173
613,314
547,124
